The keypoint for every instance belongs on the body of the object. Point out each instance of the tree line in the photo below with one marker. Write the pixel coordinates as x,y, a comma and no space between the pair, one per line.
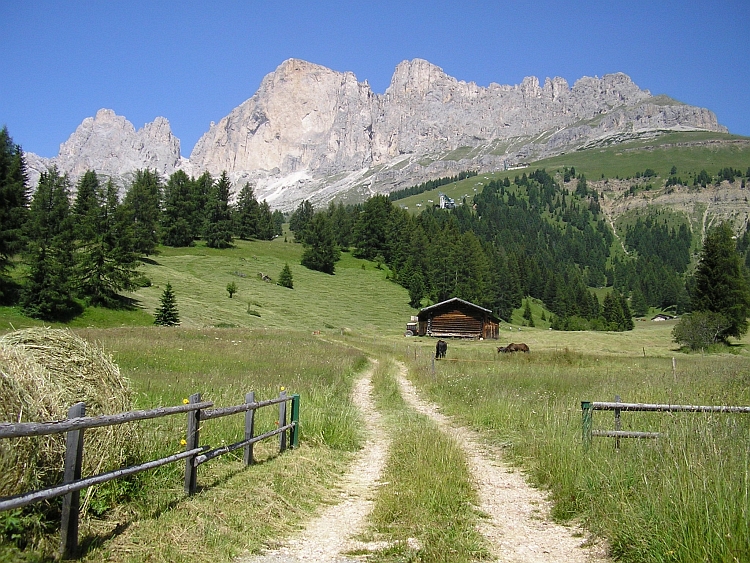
85,249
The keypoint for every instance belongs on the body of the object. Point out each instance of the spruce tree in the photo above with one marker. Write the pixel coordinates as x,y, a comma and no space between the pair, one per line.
142,200
47,294
285,277
720,282
106,262
14,200
246,214
266,224
201,188
176,217
299,220
218,215
320,251
166,314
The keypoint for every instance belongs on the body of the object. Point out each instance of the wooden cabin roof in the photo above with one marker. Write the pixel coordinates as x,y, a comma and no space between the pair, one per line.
455,301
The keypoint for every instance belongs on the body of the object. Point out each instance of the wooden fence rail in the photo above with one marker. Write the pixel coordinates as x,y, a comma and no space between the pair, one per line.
589,406
194,454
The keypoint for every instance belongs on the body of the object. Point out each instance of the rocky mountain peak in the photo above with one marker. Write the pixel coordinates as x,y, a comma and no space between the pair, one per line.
310,132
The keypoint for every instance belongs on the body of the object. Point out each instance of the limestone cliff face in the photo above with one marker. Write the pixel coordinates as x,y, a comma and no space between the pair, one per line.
109,144
311,133
303,117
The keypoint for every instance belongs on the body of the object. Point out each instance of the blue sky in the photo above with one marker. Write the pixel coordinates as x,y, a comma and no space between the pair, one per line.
193,62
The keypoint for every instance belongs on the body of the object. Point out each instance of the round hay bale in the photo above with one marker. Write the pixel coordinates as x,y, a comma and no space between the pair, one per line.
43,372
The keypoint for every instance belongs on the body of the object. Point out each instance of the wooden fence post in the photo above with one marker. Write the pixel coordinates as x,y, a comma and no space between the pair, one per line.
617,423
586,425
282,421
249,428
294,432
72,471
192,438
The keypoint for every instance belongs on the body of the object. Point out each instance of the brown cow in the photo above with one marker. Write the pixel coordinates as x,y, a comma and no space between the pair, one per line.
513,348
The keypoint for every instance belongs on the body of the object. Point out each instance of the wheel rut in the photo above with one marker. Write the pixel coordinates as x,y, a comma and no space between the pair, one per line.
517,524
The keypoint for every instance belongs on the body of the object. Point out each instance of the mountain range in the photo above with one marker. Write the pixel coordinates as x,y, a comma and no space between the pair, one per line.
313,133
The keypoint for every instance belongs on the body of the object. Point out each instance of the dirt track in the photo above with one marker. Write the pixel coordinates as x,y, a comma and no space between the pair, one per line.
518,526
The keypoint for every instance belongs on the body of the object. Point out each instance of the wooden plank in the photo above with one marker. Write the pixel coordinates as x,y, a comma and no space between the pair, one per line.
624,434
216,452
192,438
282,422
208,414
72,472
646,407
19,501
249,429
22,429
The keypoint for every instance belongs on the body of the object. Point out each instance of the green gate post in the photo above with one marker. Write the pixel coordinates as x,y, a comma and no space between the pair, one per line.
586,426
294,432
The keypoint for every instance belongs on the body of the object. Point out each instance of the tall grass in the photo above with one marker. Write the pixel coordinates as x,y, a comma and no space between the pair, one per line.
683,497
236,508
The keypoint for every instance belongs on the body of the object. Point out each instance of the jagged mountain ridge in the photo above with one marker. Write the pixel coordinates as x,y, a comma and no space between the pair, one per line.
313,133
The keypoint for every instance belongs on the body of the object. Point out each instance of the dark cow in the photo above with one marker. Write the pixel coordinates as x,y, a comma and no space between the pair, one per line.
513,348
440,349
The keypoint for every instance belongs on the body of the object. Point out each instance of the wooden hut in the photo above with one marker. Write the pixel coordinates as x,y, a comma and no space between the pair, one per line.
457,318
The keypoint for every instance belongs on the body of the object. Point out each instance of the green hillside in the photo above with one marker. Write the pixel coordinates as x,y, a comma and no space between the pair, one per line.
357,298
689,152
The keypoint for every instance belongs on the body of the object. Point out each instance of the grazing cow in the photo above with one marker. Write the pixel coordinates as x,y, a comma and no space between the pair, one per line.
513,348
440,349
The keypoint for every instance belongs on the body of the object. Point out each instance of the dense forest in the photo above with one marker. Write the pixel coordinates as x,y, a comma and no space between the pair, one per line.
541,236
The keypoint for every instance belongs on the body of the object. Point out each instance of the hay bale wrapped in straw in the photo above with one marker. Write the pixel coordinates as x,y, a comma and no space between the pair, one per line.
43,372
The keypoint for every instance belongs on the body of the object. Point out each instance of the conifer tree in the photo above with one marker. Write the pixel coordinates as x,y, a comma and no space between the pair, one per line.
14,200
246,214
176,217
166,314
48,291
266,223
299,220
142,200
218,215
106,262
320,251
720,282
201,188
285,277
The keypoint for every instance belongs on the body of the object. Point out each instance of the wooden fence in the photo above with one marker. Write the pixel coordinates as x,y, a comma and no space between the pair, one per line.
588,407
194,455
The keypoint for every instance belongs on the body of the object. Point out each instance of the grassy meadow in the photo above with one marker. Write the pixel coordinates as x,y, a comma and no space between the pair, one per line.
684,497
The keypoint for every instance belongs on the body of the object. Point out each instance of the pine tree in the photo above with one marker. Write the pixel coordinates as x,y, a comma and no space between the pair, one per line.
527,313
285,277
320,251
720,282
370,234
299,220
166,314
14,199
246,214
219,215
175,219
142,199
106,262
266,223
201,188
47,294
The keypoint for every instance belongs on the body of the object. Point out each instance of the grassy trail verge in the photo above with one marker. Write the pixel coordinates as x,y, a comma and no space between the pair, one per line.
426,508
